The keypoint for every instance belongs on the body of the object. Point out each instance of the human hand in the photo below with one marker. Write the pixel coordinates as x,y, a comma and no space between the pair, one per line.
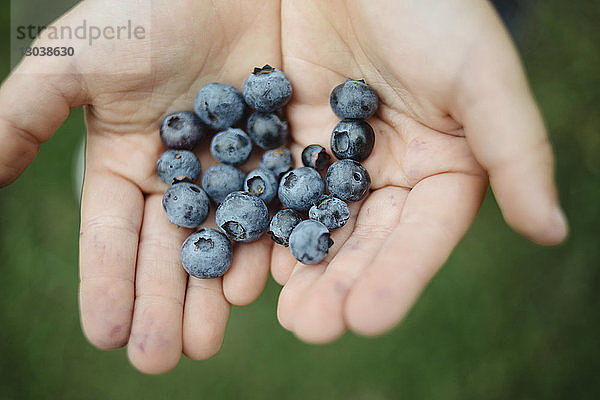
133,289
414,162
454,111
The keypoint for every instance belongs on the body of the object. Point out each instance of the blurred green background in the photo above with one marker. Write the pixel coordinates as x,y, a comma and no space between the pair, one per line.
503,319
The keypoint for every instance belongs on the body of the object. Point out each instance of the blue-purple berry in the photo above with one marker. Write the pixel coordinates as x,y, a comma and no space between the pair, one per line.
220,180
267,89
279,161
354,99
282,224
186,205
310,242
267,130
178,164
262,183
243,217
315,156
348,180
300,188
232,146
219,105
330,211
206,254
181,130
353,139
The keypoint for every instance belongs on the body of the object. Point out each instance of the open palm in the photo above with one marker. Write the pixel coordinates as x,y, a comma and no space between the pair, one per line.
454,108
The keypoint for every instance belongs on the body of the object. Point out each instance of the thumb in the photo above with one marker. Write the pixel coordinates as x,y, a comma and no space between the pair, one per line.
34,101
505,130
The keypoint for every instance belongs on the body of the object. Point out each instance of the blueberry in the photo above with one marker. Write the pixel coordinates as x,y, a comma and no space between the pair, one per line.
220,180
186,204
279,161
300,188
174,164
267,130
310,242
330,211
206,254
315,156
219,105
232,146
353,139
243,217
282,224
262,183
348,180
354,99
181,130
267,89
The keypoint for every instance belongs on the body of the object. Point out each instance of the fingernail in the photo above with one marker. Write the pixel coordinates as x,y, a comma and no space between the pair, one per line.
560,226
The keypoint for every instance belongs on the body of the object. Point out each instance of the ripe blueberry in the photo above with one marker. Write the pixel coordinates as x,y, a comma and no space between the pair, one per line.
243,217
354,99
219,105
267,130
181,130
300,188
232,146
220,180
262,183
282,224
348,180
177,164
279,161
353,139
206,254
315,156
330,211
186,205
267,89
310,242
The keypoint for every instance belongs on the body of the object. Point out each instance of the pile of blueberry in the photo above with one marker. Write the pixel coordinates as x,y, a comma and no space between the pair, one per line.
242,214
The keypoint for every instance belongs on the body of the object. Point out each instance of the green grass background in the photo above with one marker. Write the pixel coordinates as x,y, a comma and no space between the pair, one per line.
504,319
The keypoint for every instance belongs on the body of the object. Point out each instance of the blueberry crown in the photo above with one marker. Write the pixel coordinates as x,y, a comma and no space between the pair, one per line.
264,70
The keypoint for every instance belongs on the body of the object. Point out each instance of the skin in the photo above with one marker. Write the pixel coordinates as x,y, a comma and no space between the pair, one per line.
455,113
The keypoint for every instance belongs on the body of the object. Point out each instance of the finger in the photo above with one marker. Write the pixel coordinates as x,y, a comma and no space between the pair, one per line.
205,318
156,334
436,215
111,214
34,101
319,317
304,276
205,314
249,271
282,263
301,278
506,132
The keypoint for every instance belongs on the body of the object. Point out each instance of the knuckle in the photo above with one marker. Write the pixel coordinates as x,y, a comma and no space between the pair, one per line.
540,150
107,223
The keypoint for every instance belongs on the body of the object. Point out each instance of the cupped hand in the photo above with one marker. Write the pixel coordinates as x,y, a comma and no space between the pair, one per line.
455,111
133,289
